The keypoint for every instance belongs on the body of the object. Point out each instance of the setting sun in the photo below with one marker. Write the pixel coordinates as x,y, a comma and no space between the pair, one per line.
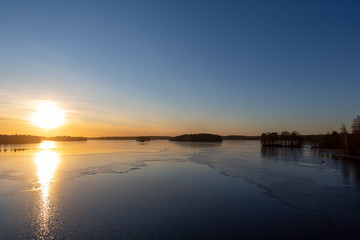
48,116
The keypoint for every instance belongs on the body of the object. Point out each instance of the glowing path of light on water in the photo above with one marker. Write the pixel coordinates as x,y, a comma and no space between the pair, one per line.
46,162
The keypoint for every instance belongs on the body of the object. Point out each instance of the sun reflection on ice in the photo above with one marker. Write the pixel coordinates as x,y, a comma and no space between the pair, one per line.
46,163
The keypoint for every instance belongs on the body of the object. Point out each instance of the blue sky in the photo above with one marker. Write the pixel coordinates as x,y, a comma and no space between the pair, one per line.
169,67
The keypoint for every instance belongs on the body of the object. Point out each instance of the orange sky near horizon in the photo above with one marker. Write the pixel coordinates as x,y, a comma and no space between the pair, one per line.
77,124
16,126
90,119
17,120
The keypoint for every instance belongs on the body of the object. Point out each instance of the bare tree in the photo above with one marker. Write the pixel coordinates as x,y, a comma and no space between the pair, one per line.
285,137
356,125
346,141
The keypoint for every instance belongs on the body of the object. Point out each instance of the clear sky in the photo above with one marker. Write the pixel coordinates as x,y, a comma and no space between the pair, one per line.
171,67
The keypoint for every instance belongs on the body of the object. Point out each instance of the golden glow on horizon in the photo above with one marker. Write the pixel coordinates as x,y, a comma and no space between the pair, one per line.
48,116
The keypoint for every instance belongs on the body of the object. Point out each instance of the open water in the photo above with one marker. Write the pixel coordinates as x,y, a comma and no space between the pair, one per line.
171,190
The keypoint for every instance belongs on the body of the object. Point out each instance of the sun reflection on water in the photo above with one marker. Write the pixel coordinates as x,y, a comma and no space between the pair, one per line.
46,163
47,145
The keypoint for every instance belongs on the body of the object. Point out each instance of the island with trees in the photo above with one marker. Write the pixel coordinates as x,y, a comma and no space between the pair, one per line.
201,137
285,139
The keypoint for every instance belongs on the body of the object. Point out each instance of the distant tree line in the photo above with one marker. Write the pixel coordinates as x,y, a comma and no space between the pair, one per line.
22,139
143,139
240,137
129,138
348,142
229,137
285,139
19,139
64,138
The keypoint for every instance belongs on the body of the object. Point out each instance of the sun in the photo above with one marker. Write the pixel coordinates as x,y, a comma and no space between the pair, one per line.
48,116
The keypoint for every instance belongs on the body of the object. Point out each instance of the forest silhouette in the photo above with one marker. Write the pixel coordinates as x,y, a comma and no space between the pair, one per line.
349,143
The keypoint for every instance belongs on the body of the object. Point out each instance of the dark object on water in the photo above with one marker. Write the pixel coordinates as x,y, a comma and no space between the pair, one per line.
143,139
202,137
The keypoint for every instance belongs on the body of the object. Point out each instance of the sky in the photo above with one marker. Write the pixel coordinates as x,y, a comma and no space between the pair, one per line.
127,68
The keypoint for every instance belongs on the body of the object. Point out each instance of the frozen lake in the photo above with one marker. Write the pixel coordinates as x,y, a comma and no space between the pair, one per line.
171,190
